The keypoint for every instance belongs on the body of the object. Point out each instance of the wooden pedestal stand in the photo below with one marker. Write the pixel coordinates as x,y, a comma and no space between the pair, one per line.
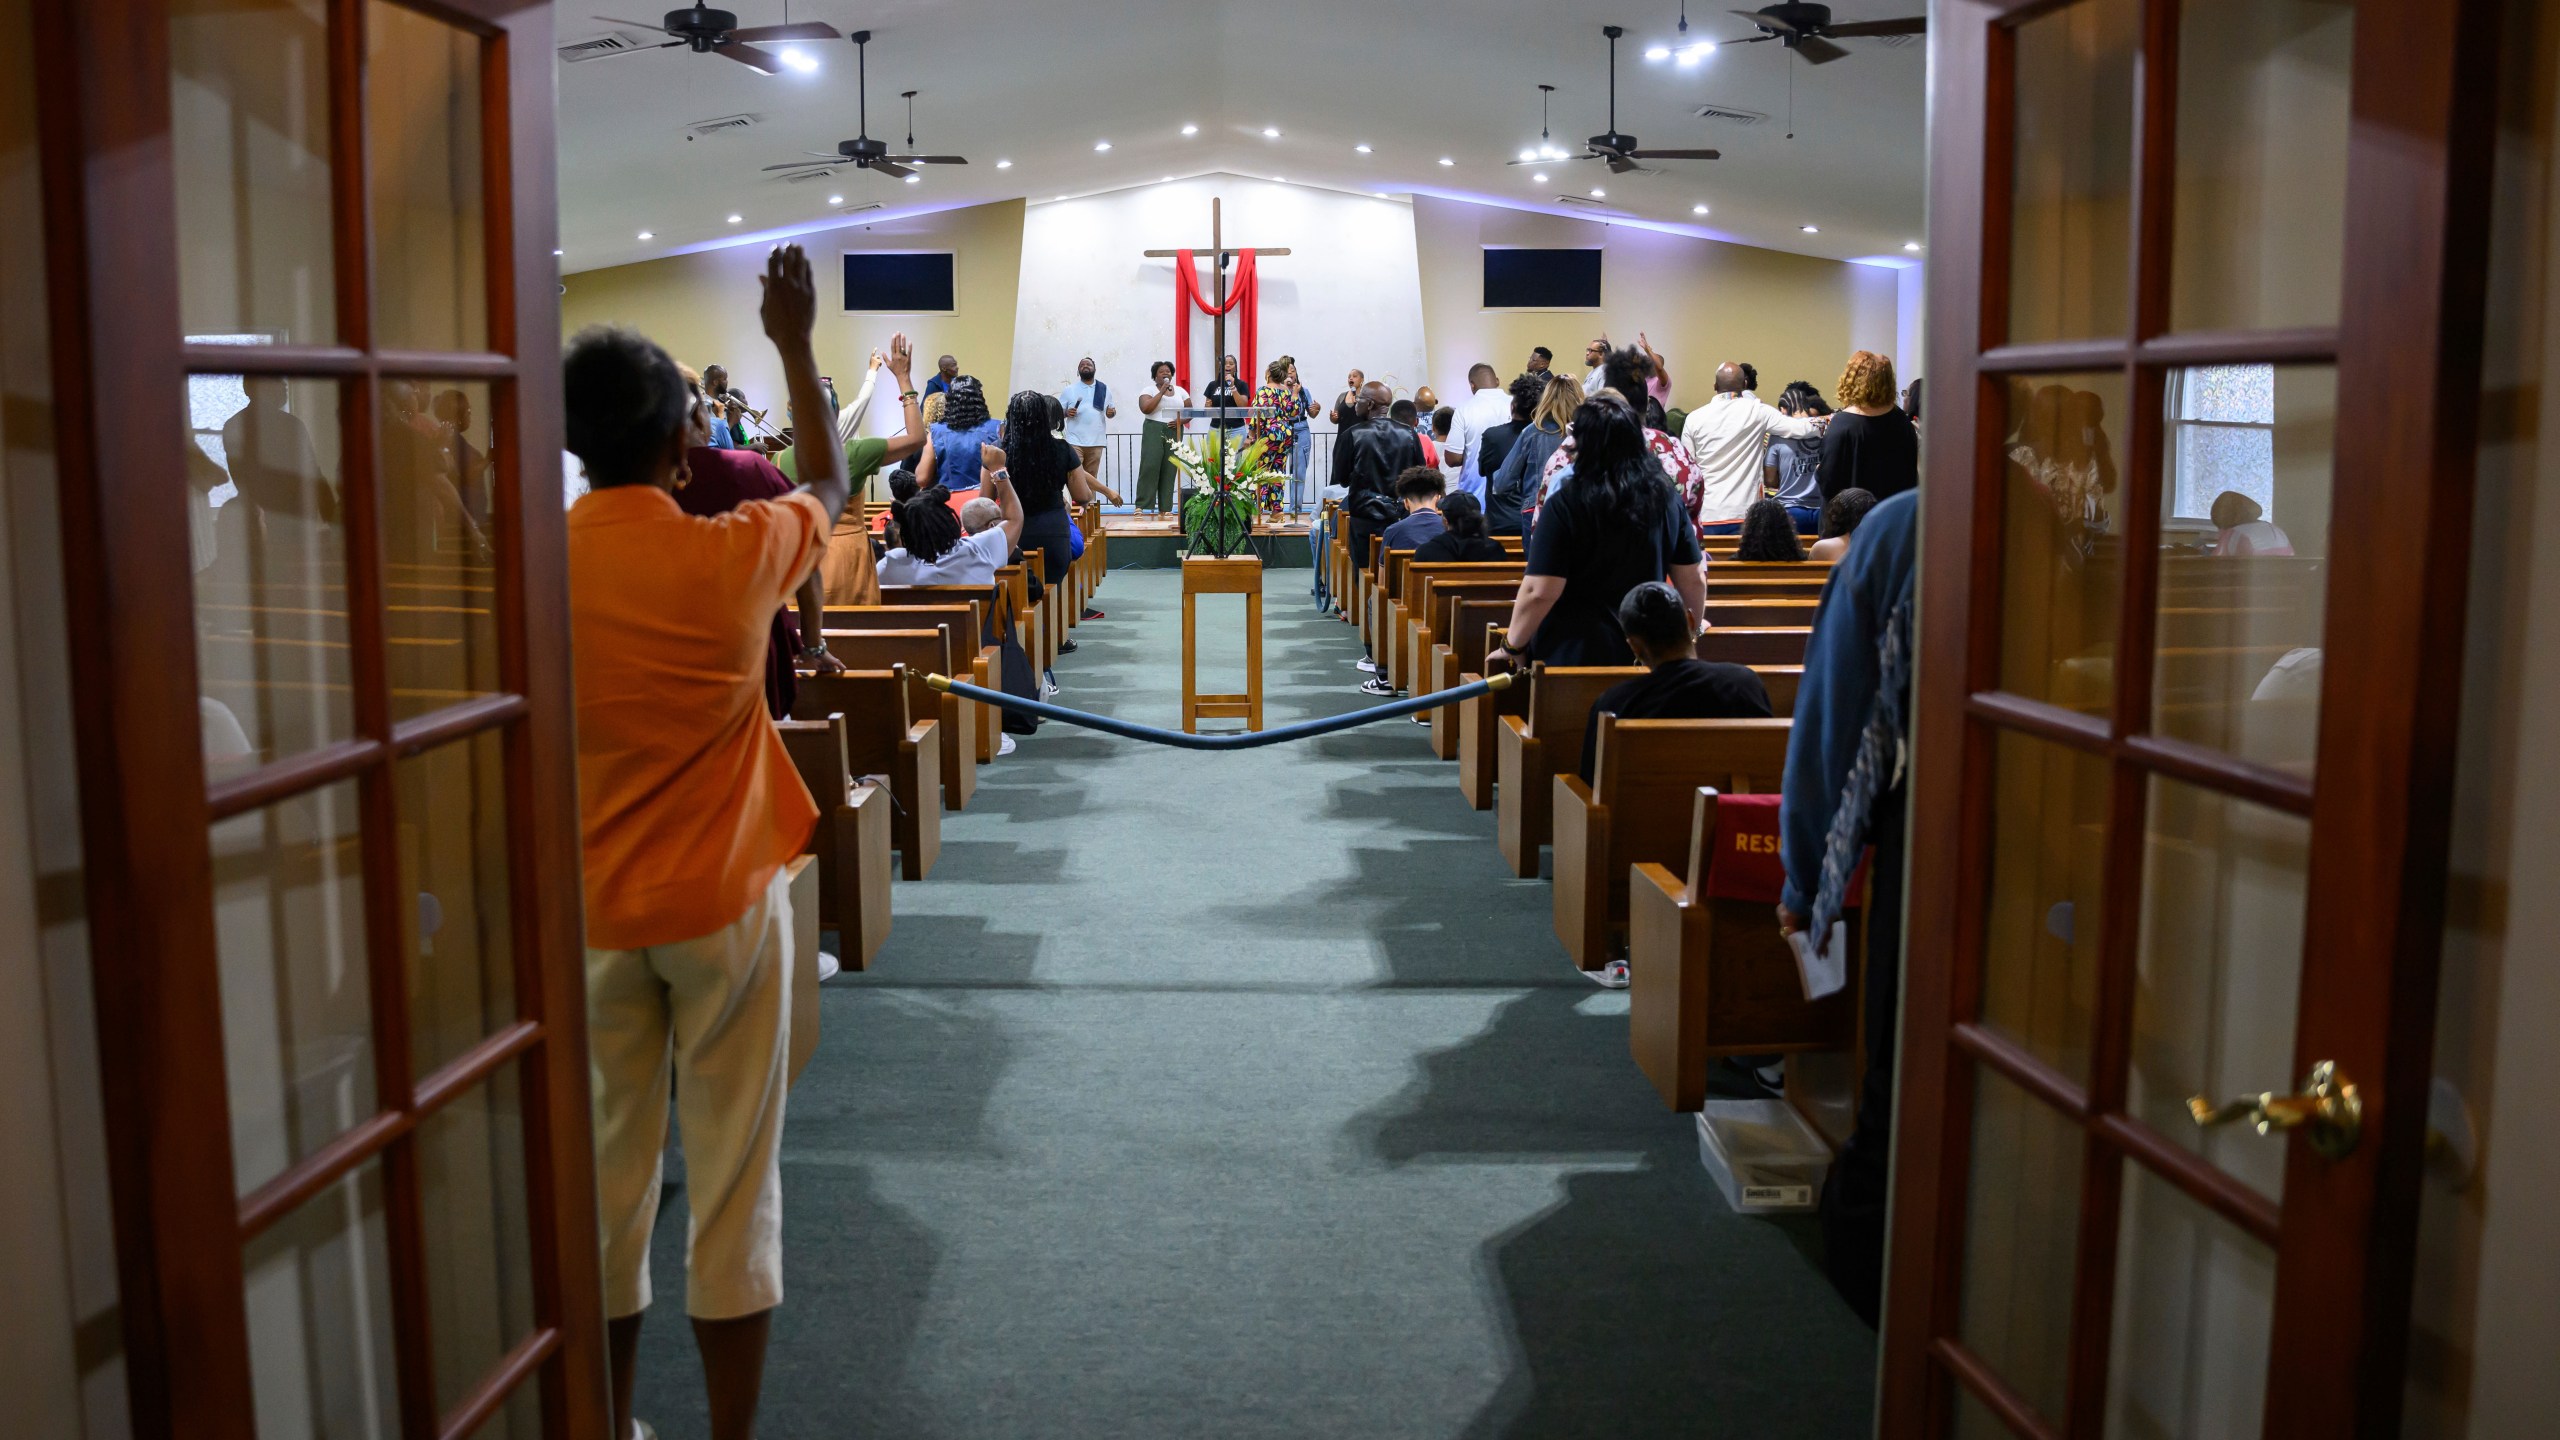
1239,575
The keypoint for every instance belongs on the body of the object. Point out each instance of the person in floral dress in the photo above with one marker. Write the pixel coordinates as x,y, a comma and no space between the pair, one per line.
1278,400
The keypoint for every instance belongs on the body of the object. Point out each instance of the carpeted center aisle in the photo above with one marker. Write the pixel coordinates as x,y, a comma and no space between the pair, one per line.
1245,1095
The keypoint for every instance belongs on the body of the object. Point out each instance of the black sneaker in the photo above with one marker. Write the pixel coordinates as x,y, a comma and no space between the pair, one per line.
1092,614
1066,647
1376,687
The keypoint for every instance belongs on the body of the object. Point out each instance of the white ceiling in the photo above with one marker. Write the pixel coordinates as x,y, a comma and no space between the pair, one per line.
1042,83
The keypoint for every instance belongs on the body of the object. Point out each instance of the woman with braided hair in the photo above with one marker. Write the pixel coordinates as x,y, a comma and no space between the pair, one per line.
955,446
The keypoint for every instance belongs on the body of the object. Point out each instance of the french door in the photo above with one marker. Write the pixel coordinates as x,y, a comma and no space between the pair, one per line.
2205,326
305,333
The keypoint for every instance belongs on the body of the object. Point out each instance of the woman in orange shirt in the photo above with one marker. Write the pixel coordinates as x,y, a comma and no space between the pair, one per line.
689,808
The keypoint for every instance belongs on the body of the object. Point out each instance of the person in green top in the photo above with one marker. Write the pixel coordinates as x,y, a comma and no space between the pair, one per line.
848,574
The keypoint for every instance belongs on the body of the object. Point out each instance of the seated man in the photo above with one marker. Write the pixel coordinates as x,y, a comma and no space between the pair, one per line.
1464,540
1681,686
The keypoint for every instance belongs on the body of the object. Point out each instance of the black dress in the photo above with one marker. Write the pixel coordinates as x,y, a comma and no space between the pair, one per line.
1879,454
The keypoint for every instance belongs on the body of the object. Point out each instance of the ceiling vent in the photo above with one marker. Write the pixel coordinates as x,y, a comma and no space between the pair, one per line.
723,125
1730,115
1585,201
1890,42
612,43
858,209
803,177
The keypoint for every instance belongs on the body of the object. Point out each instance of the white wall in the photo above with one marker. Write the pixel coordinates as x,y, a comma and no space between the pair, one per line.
1347,294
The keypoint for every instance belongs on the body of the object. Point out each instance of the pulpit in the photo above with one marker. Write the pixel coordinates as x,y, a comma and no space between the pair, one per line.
1233,575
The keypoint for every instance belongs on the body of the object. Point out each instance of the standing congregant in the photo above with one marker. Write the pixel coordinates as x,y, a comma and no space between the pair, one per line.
1089,410
1728,441
1158,483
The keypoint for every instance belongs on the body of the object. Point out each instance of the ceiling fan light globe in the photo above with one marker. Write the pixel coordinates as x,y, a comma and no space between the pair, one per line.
1657,52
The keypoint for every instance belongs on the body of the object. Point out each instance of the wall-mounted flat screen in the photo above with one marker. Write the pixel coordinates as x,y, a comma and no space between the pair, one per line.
1526,279
904,282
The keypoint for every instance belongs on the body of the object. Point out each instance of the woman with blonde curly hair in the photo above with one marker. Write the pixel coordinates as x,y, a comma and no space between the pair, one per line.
1871,444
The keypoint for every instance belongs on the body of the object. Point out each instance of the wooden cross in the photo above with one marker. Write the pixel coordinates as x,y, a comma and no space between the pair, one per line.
1218,252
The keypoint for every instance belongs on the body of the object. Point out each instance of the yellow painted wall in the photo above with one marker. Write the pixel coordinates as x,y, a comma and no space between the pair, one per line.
1795,317
702,306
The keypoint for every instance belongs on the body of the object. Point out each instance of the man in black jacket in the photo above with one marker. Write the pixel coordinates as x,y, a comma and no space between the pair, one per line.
1376,450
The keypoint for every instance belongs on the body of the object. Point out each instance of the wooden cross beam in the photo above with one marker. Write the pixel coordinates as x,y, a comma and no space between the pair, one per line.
1219,252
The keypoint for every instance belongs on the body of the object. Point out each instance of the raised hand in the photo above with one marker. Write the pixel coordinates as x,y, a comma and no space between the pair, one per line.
790,309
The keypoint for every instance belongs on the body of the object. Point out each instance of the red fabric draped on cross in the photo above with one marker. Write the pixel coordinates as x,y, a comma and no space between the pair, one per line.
1246,295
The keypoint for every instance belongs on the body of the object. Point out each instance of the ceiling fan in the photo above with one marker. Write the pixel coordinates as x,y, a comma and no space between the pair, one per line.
706,31
863,152
1619,150
1808,31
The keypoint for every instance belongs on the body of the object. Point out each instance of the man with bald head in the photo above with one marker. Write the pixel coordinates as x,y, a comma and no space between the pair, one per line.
1728,441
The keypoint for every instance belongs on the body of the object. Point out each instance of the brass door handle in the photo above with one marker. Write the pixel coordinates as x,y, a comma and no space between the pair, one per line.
2328,1110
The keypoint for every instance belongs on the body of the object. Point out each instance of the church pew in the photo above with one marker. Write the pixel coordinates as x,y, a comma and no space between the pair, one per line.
1782,682
1383,578
1724,584
851,840
1629,814
1711,977
972,656
882,739
1529,748
921,653
1758,613
1437,655
1408,612
999,608
1475,628
1734,571
1753,645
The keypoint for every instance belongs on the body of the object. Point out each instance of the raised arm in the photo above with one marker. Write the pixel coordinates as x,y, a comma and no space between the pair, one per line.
999,488
900,364
790,315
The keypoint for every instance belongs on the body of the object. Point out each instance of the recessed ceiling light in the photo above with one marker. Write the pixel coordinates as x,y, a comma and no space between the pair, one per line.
1697,209
1445,160
1695,53
1657,52
912,179
1541,179
1550,152
1810,229
645,235
1599,194
1531,153
1270,132
1911,245
1381,194
835,199
734,219
1004,164
800,60
1166,180
1279,179
1363,149
559,252
1101,145
1190,129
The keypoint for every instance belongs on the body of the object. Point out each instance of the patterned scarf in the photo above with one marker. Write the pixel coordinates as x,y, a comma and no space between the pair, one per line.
1877,766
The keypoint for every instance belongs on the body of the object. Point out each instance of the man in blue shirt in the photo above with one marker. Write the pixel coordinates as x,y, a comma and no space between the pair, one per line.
1420,488
715,390
945,370
1845,782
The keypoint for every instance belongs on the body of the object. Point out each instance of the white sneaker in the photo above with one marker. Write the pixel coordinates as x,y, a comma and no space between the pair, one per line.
1366,666
1004,745
1612,976
1048,684
829,967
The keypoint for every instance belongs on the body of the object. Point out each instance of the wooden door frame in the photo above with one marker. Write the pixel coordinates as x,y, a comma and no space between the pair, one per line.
2407,350
119,370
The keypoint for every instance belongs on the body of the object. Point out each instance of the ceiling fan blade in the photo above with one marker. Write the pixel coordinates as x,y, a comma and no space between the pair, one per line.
805,30
656,25
1915,25
1677,154
642,50
750,56
1766,21
925,159
1818,51
890,168
1620,165
807,165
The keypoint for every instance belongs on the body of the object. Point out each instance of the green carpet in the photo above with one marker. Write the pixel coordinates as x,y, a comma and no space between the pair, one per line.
1246,1095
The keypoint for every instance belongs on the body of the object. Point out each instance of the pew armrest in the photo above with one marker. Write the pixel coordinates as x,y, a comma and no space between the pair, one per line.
1519,819
1582,872
919,787
860,887
1666,994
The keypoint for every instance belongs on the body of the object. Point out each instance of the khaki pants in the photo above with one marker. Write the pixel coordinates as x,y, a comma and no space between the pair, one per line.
1090,456
713,1017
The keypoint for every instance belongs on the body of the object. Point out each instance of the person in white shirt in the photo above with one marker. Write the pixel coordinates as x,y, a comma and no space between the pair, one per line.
936,548
1728,441
1596,355
1487,405
1088,406
1158,482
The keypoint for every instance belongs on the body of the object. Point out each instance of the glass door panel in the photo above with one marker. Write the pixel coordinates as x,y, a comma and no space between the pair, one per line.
440,538
2194,1302
479,1242
249,104
2061,563
318,1290
2071,196
2040,948
422,166
2261,181
461,930
2019,1239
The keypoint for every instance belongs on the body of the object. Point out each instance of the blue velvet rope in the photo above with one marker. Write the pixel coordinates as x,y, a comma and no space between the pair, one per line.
1246,740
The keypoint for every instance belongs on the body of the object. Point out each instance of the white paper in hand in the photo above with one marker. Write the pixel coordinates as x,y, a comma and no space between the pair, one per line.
1824,970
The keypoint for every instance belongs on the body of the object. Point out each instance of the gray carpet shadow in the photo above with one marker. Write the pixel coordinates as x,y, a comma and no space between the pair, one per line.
866,1264
1436,809
1022,803
998,862
1434,910
950,947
